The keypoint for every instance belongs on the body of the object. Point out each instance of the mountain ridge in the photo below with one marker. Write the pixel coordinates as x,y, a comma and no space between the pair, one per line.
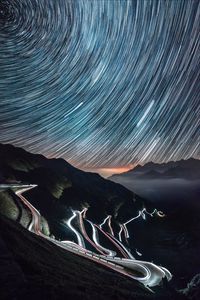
163,169
62,187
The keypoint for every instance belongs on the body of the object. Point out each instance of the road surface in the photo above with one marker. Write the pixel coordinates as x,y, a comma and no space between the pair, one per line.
145,272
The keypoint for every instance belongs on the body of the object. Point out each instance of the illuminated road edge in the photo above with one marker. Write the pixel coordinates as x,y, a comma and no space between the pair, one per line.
146,273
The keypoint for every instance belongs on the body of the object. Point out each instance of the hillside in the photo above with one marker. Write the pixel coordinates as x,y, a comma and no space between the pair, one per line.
62,187
33,268
172,241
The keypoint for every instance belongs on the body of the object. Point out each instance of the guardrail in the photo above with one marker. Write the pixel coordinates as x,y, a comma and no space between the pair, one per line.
97,257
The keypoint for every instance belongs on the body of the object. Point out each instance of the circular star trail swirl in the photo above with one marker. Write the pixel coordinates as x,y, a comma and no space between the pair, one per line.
101,83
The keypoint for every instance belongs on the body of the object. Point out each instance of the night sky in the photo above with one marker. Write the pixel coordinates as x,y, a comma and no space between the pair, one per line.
105,84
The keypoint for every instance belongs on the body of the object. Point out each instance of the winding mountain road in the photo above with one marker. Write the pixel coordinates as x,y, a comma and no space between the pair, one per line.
147,273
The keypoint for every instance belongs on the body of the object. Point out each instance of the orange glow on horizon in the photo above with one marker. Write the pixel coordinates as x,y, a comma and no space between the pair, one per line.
106,172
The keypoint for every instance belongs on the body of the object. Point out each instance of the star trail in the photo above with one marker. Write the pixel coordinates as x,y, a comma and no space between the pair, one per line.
101,83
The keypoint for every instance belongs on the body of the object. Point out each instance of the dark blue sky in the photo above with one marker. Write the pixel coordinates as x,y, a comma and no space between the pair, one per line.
103,84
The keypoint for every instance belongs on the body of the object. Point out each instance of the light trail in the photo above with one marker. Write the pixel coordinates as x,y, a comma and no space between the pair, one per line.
79,237
104,221
118,78
84,211
110,225
112,239
35,213
149,274
126,233
145,113
128,254
124,225
142,213
120,232
138,253
160,214
107,219
96,240
82,228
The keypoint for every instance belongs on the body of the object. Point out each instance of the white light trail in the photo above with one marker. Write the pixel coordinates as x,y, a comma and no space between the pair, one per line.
120,232
73,110
149,274
138,253
82,228
146,113
110,226
142,213
96,240
122,246
78,235
104,221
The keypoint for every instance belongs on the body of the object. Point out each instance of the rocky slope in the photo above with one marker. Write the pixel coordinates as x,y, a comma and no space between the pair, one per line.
62,187
33,268
173,241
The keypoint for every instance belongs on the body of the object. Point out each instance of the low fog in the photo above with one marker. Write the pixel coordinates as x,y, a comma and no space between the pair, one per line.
165,193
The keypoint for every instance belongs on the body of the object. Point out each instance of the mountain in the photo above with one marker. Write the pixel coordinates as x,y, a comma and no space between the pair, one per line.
62,187
33,268
47,272
168,186
174,188
186,169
